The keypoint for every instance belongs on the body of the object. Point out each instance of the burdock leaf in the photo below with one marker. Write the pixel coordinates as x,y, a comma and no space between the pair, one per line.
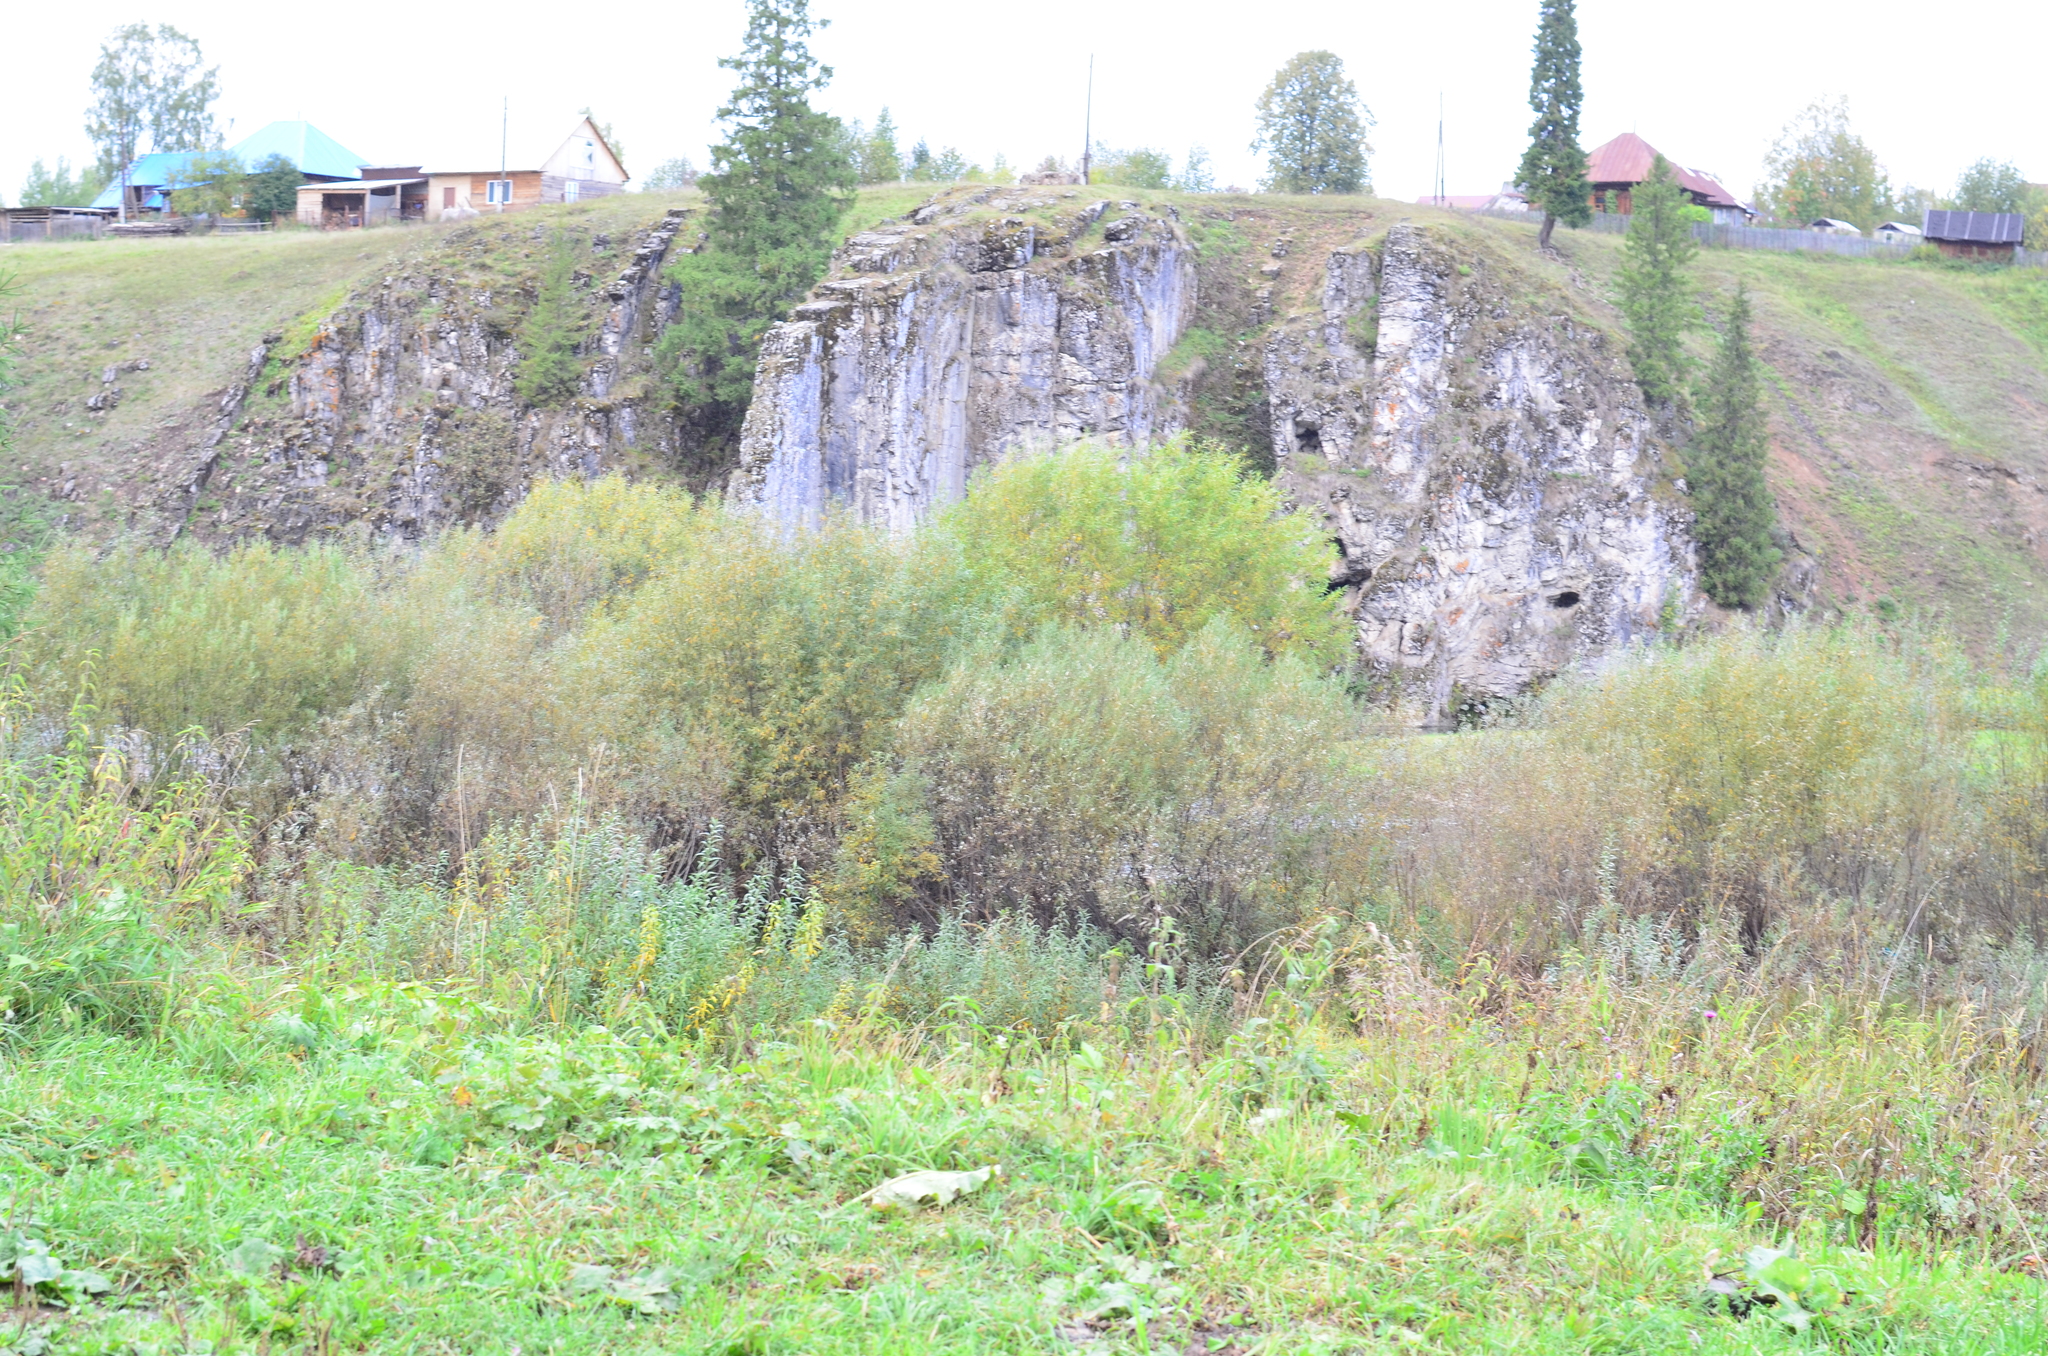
253,1257
930,1187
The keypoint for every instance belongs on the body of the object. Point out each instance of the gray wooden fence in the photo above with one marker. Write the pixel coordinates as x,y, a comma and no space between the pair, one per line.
24,227
1718,236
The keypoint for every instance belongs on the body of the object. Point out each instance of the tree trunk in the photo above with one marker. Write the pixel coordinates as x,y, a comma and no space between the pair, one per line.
1543,236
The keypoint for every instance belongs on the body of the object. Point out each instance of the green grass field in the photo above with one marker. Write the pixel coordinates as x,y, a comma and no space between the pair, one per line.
282,1168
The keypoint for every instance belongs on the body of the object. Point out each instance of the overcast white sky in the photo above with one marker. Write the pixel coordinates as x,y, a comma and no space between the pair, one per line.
1709,84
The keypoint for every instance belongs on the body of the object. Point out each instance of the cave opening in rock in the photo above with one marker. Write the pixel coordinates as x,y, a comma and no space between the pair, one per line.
1566,599
1307,437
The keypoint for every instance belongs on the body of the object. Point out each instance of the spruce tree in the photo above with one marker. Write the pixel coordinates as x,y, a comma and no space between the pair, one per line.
1656,296
880,161
1732,505
1553,171
780,183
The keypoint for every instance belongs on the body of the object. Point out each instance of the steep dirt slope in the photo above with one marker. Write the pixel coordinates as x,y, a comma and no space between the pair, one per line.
1909,407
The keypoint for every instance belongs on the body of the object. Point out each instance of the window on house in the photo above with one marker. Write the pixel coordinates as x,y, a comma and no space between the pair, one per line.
571,191
500,190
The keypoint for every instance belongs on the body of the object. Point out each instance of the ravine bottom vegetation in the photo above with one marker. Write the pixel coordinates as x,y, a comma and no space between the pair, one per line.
563,940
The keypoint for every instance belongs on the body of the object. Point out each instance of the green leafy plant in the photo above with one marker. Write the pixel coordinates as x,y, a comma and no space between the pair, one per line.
27,1262
779,184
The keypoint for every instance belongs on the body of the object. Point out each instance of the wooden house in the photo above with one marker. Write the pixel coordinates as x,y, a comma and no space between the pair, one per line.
1975,235
1835,226
1898,232
1618,166
583,166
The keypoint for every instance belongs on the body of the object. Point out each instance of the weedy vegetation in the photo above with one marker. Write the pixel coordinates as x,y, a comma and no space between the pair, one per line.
636,930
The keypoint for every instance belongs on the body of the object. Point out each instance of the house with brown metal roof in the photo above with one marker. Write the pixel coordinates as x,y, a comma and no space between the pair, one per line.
1619,165
1975,235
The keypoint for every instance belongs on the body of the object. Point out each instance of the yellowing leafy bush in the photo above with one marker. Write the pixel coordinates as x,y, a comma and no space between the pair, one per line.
1160,541
1089,775
259,638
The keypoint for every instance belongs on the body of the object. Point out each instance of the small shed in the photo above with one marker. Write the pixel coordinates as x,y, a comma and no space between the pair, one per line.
1898,232
1975,235
1835,226
400,196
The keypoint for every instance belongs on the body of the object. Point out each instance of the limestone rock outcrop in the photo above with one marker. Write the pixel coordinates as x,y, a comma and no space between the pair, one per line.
987,320
402,414
1497,495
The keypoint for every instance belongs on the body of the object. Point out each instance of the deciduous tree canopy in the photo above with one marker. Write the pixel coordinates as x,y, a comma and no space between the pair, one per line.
1312,128
1821,168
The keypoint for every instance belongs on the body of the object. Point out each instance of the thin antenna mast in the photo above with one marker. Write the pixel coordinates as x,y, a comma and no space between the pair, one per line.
1439,148
504,138
1088,122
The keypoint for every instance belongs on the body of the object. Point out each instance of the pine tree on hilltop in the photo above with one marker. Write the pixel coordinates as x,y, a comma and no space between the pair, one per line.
1734,513
1553,171
1655,296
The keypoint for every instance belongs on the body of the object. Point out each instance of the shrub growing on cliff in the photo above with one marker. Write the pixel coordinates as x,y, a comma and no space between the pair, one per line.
1725,472
548,370
779,184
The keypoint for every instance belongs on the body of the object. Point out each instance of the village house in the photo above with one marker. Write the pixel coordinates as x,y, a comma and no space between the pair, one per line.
1618,166
583,166
1975,235
1835,226
152,177
1898,232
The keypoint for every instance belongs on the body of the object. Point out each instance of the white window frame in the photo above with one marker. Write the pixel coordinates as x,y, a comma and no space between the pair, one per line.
498,191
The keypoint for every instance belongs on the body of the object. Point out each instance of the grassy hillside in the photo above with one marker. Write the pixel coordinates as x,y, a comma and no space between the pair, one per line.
1909,409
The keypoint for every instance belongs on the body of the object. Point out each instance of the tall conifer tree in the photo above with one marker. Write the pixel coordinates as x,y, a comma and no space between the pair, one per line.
779,185
1656,296
1734,513
1553,171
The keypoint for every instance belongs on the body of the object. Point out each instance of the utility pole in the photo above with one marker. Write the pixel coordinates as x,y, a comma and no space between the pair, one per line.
504,137
1088,122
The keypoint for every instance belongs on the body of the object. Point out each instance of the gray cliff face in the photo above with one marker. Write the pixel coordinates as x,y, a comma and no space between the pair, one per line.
988,320
1492,483
1480,458
403,415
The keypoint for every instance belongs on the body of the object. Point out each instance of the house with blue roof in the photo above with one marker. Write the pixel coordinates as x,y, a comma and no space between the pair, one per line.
317,156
